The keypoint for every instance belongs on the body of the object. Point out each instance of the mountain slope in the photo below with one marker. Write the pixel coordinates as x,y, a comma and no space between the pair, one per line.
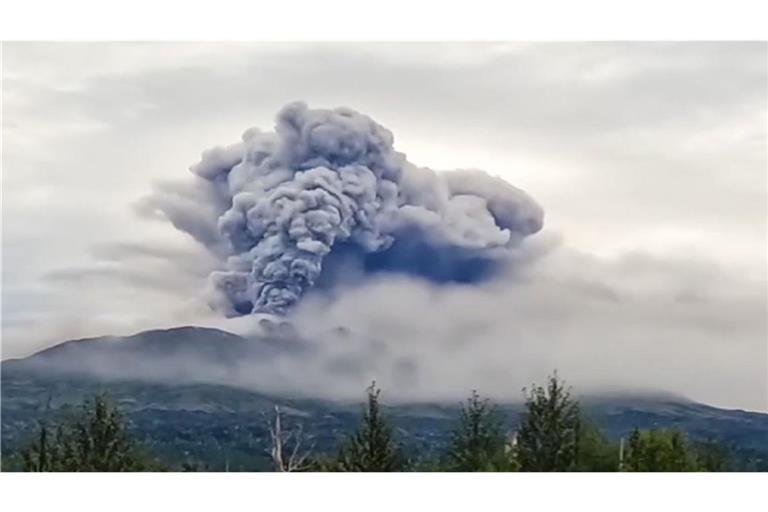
182,417
182,354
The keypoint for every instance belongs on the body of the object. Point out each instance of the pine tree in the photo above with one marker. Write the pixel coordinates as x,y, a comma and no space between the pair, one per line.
479,442
548,438
95,440
371,447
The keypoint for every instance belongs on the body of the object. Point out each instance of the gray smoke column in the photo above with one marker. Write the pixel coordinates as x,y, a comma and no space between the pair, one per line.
325,193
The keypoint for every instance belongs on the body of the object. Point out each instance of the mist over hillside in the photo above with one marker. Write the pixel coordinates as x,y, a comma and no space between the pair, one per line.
344,261
273,360
186,400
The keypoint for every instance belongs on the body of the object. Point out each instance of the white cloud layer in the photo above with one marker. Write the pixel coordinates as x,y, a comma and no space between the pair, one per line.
649,160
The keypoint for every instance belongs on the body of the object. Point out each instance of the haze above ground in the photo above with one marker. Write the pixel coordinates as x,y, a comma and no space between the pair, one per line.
649,160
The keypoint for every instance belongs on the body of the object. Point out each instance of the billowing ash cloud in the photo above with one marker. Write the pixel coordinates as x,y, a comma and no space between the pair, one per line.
324,198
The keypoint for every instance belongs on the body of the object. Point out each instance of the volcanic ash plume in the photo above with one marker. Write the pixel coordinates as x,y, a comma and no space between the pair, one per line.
326,197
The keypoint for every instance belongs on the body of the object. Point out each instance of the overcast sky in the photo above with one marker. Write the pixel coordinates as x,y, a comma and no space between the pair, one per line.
648,159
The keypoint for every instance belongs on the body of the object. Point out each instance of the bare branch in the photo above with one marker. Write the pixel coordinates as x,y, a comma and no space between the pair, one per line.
280,441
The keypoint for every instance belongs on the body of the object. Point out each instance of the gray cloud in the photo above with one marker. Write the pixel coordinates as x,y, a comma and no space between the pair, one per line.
289,209
635,322
650,149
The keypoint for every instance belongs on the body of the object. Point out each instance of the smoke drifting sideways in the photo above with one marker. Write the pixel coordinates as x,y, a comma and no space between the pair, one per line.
325,199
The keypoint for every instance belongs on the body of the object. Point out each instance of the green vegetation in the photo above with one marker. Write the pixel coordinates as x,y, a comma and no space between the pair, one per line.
712,456
94,440
548,439
551,434
479,442
372,447
668,451
595,452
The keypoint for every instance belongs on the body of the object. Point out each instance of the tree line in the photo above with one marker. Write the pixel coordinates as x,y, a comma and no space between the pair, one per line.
553,435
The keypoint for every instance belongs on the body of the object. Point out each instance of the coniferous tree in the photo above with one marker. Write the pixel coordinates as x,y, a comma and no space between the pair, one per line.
371,447
595,451
40,456
548,438
479,442
659,450
95,440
